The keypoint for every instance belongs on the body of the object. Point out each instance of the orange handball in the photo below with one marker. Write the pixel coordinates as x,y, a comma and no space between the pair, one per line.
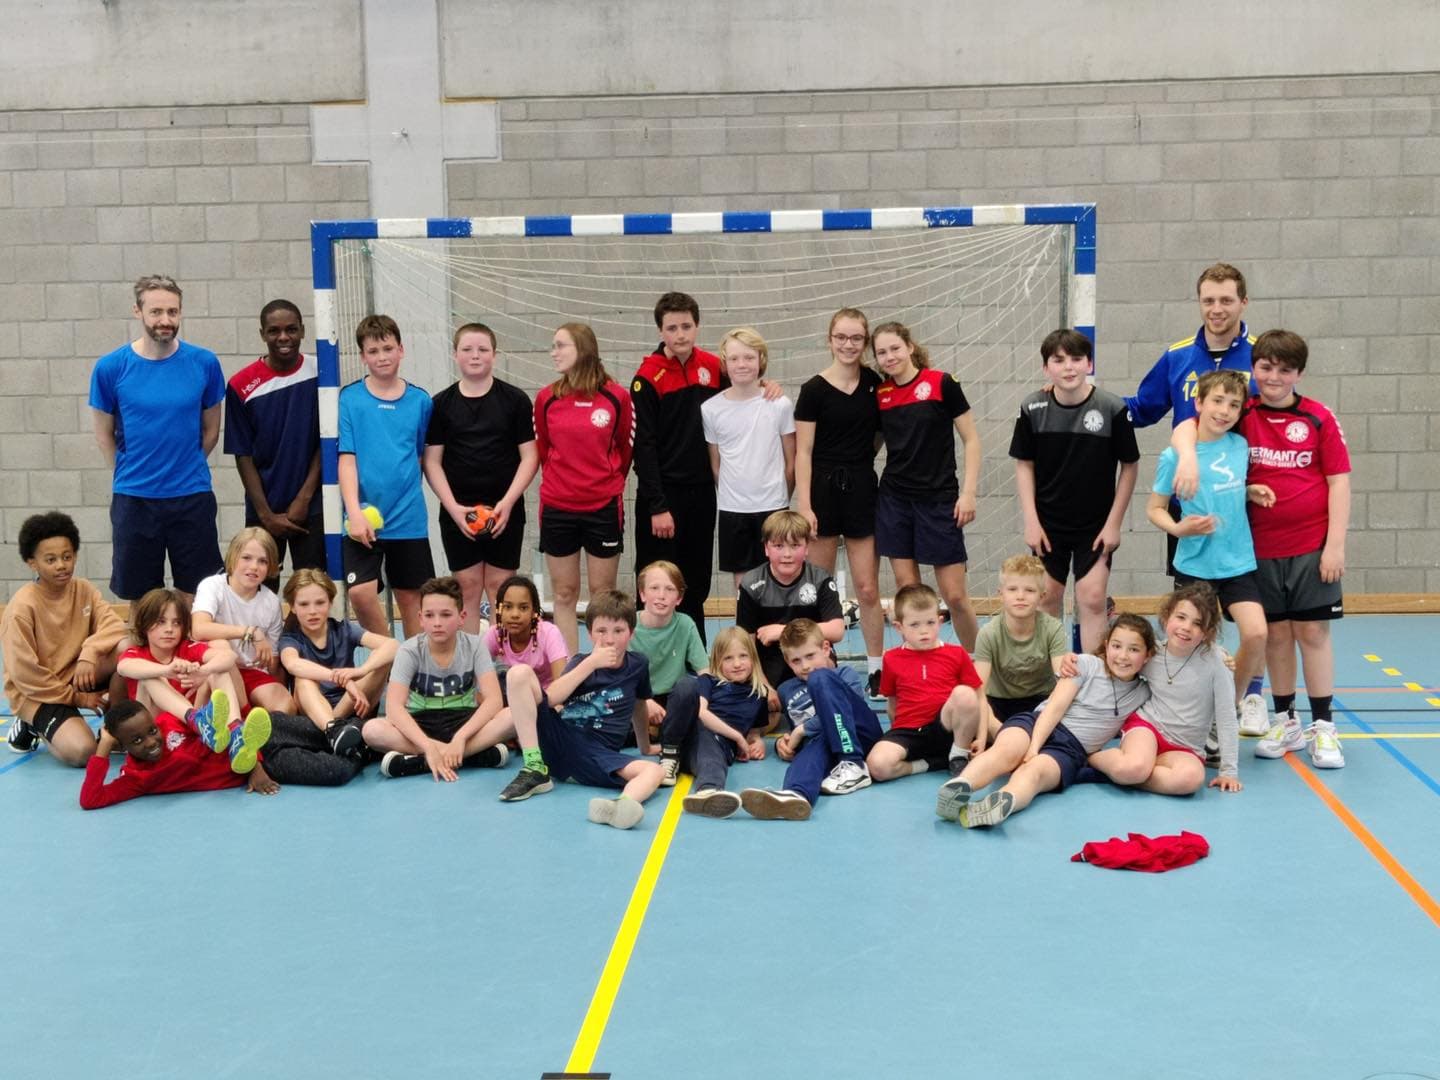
480,519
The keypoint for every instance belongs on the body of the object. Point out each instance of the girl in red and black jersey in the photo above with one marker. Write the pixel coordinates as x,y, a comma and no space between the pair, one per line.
584,426
921,510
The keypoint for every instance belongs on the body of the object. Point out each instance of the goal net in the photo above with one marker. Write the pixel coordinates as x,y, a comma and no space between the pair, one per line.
979,287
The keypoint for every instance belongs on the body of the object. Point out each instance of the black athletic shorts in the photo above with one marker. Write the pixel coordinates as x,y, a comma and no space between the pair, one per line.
406,563
741,546
843,499
503,551
600,532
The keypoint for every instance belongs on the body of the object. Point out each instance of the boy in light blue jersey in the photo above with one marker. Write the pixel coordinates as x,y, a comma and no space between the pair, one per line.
383,420
1213,532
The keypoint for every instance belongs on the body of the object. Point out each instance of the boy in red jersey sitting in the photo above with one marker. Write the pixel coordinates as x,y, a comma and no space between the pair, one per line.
203,752
933,691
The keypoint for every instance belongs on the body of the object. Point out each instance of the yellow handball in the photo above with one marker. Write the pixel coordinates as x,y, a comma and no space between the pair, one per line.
373,516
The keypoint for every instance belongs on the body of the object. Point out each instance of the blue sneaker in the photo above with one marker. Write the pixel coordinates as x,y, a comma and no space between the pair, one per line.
246,740
212,721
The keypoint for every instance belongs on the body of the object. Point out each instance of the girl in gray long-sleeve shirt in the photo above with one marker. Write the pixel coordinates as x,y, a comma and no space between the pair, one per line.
1162,748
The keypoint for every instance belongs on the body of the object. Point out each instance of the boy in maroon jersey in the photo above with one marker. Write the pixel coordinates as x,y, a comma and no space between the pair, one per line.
1297,453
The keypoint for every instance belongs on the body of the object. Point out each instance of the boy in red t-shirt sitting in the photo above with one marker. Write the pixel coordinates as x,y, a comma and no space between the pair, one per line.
932,690
204,752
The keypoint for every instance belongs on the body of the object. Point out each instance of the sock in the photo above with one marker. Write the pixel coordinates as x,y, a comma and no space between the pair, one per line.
873,663
1256,685
534,762
958,751
1284,702
670,752
1320,706
918,766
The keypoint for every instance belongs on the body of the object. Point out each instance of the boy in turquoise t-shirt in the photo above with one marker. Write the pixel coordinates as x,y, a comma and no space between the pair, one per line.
1214,529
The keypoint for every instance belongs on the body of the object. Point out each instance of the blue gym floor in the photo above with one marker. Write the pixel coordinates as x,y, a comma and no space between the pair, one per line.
408,928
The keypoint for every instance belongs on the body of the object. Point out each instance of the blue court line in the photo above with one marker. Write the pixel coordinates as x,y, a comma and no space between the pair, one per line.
1385,744
19,761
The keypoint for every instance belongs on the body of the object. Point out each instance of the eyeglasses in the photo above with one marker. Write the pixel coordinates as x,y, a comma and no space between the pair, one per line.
848,339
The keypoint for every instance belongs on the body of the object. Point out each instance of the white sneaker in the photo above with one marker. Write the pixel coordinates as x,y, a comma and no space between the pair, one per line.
845,777
1325,746
1254,720
1284,736
671,767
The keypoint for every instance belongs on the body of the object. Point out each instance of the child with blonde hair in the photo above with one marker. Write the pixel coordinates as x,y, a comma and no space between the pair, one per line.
752,451
714,720
238,608
319,653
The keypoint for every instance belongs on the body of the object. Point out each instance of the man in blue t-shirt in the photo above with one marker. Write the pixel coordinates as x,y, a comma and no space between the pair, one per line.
156,407
272,427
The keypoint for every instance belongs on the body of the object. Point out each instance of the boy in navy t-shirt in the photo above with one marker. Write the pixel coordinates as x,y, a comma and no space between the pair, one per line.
574,729
272,427
383,420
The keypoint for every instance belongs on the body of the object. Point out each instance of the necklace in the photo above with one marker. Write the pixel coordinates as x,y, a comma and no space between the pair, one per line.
1115,696
1165,662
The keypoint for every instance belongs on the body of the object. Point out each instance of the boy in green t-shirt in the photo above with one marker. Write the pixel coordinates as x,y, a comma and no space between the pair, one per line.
665,636
1018,651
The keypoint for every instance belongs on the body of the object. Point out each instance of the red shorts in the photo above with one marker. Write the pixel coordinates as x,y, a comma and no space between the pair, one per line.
1162,745
254,677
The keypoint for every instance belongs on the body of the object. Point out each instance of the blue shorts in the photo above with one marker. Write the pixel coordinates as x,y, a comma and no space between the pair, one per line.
574,754
143,531
923,532
1062,747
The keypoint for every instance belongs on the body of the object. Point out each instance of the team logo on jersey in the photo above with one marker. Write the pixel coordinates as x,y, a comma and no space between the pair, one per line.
1219,466
1297,431
638,385
174,740
600,417
922,391
703,376
1093,421
807,593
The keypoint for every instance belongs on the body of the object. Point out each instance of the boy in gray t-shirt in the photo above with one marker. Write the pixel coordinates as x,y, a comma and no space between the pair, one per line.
442,705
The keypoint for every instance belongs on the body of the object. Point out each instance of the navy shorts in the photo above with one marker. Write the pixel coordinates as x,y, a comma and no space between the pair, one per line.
923,532
740,544
843,499
1006,707
305,551
1291,590
1071,553
144,531
1062,747
571,753
407,564
600,532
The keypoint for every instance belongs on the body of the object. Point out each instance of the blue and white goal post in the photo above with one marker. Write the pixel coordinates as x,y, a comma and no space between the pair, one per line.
980,285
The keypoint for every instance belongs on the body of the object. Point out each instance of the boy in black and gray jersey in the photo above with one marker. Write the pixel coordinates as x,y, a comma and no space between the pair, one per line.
1067,444
786,587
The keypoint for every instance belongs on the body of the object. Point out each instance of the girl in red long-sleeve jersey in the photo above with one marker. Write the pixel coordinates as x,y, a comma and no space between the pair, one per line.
584,429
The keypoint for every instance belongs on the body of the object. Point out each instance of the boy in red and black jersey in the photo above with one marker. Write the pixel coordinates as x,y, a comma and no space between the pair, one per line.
675,496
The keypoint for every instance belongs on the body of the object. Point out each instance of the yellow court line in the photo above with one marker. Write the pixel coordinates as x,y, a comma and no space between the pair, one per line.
1433,701
1403,878
1414,686
592,1030
1391,671
1372,658
1382,735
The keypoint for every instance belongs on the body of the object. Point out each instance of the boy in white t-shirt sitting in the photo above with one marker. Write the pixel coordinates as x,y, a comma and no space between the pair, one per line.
752,451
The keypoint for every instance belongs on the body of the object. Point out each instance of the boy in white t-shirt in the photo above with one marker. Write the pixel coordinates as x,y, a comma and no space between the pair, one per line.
752,451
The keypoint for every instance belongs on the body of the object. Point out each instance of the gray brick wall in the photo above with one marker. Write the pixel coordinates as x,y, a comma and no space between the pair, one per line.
90,200
1325,191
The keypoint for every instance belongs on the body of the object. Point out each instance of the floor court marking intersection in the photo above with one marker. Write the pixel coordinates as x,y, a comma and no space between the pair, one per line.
597,1016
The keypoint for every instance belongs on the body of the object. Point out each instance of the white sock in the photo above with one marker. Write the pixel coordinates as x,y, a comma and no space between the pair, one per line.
873,663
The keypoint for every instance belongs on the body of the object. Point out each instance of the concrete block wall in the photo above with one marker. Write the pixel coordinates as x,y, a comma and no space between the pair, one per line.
219,197
1326,191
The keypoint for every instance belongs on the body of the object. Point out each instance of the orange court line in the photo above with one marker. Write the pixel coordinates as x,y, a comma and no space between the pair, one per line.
1392,866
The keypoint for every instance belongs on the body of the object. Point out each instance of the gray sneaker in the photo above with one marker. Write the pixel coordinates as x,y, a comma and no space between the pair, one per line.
770,805
991,810
621,813
845,777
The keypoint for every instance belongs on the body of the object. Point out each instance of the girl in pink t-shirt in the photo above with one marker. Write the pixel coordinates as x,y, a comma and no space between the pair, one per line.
522,636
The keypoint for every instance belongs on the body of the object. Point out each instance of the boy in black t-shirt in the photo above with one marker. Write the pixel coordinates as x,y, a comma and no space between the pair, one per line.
786,587
480,448
1067,444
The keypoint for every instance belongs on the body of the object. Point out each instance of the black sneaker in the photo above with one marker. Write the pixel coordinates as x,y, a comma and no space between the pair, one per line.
956,764
346,741
492,757
397,764
872,685
22,737
527,782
